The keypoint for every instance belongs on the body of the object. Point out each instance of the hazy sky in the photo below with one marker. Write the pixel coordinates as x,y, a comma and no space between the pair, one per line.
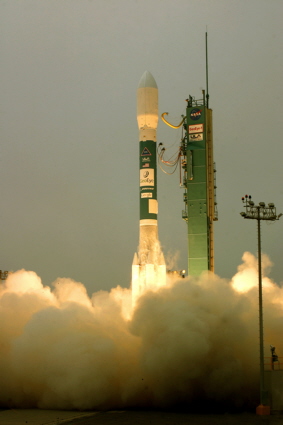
69,137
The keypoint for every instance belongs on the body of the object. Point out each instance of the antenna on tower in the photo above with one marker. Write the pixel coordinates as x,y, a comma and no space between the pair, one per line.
207,95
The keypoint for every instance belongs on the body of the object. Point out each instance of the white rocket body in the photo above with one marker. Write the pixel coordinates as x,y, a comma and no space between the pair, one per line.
148,269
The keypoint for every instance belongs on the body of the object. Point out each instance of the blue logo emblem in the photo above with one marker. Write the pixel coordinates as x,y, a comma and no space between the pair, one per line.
195,114
145,152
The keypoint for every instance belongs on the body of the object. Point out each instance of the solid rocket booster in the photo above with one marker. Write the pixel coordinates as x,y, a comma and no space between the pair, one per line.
149,269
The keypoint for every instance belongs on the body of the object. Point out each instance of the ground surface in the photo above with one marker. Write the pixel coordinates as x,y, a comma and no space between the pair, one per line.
165,418
38,417
52,417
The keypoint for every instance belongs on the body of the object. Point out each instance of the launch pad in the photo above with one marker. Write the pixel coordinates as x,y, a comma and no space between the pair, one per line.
195,157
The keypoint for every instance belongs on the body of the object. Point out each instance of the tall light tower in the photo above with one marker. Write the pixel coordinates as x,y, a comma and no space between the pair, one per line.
260,212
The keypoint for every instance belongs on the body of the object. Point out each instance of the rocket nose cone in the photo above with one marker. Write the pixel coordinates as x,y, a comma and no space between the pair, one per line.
147,80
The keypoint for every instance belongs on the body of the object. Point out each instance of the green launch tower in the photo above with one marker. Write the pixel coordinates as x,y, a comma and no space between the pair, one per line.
199,183
198,180
196,159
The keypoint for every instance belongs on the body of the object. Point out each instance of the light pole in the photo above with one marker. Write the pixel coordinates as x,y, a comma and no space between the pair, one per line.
260,212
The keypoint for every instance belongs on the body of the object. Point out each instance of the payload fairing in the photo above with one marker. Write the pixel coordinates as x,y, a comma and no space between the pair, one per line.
148,269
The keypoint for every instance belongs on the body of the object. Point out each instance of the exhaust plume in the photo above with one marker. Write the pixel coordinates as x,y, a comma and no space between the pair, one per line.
193,341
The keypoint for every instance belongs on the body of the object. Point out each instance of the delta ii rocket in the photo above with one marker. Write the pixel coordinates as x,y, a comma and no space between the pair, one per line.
148,269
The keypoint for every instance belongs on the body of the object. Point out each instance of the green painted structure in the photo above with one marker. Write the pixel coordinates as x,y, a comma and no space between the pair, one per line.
199,183
198,180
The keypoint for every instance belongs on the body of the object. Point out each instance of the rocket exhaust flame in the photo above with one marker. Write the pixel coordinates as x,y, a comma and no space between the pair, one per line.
193,340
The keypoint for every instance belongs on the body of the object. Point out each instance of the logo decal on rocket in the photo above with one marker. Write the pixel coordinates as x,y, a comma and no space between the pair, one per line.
145,152
147,177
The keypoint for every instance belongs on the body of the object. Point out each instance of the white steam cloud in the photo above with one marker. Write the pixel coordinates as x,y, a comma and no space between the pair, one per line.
194,341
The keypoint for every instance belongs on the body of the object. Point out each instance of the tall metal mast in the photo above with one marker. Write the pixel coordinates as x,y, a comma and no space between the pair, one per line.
206,66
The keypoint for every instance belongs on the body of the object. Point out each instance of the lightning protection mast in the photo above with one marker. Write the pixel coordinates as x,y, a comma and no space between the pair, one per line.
198,181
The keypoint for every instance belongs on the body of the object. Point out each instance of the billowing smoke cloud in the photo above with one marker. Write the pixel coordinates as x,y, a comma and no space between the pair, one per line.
194,341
